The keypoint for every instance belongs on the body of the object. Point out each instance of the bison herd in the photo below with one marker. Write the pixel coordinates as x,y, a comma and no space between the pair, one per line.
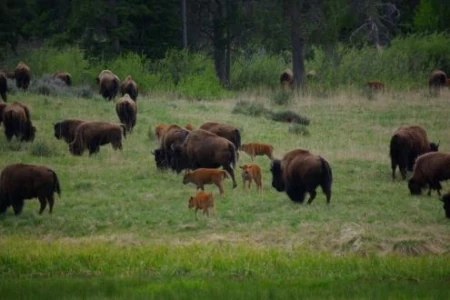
199,152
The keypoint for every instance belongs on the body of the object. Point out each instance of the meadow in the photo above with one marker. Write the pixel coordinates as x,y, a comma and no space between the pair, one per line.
122,229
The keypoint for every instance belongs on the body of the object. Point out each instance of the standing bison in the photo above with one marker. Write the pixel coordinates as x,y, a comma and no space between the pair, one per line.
300,172
229,132
64,77
3,86
172,135
430,169
109,84
407,143
17,122
204,149
22,74
130,87
24,181
66,129
436,81
126,110
92,135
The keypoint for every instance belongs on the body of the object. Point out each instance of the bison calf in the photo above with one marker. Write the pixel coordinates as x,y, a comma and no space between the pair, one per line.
202,201
24,181
251,172
254,149
203,176
430,169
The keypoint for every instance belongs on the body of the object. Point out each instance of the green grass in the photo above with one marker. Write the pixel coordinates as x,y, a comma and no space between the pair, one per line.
123,229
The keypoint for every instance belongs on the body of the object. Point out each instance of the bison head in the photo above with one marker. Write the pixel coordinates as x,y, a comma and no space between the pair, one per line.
178,160
57,128
415,187
277,176
186,177
446,200
434,147
160,161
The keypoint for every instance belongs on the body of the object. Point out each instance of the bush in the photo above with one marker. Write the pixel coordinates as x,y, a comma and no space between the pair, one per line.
253,109
40,148
280,97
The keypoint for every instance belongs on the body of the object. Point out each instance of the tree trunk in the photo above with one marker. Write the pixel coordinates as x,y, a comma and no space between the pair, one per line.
184,17
297,42
228,42
219,42
114,23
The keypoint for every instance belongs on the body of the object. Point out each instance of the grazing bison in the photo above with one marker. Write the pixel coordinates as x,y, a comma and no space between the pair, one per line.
287,79
446,200
202,201
126,110
64,77
22,74
430,169
24,181
129,86
300,172
66,129
229,132
256,148
172,135
109,84
92,135
251,172
407,143
17,122
3,86
204,149
436,80
203,176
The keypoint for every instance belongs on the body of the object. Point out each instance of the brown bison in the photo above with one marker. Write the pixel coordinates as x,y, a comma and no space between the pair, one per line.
24,181
203,176
66,129
126,110
92,135
159,130
287,79
109,84
430,169
446,200
407,143
300,172
251,172
22,74
64,77
256,148
129,86
17,122
3,86
172,135
204,149
229,132
202,201
436,81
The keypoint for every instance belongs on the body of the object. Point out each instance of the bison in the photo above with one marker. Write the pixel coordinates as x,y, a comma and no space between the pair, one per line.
407,143
256,148
159,130
436,80
64,77
375,85
17,122
229,132
203,176
171,135
430,169
92,135
287,79
66,129
25,181
300,172
251,172
22,74
202,201
204,149
126,110
109,84
129,86
3,86
446,200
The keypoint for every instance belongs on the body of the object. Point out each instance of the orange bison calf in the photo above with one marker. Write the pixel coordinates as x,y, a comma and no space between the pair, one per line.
24,181
251,172
126,110
430,169
91,135
254,149
66,129
203,176
202,201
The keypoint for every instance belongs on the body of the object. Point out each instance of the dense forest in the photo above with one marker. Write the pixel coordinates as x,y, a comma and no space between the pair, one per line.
239,43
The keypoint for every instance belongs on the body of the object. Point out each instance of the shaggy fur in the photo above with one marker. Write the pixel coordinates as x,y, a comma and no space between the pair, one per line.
446,200
256,148
229,132
287,79
189,126
159,130
203,176
66,129
130,87
430,169
3,86
202,201
172,135
300,172
407,143
375,85
64,77
126,110
22,74
251,172
17,122
24,181
109,84
436,81
204,149
92,135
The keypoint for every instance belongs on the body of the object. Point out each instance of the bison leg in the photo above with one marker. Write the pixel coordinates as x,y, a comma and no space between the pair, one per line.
312,196
43,202
295,193
231,172
51,201
219,185
393,166
17,206
9,134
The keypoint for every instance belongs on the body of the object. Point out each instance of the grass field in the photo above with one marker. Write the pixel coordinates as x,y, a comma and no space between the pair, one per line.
122,229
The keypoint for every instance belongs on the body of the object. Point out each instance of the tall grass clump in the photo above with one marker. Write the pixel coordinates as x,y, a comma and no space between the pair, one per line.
253,109
41,149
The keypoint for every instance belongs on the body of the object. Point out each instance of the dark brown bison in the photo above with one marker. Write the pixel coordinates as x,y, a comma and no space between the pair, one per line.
300,172
64,77
130,87
171,135
109,84
126,110
3,86
407,143
287,79
22,74
430,169
92,135
229,132
66,129
2,107
436,81
446,200
204,149
24,181
17,122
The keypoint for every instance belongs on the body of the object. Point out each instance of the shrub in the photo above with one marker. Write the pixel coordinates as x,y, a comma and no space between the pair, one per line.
280,97
253,109
40,148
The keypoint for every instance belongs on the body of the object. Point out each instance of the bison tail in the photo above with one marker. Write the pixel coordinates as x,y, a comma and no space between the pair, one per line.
124,130
327,178
57,187
233,154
